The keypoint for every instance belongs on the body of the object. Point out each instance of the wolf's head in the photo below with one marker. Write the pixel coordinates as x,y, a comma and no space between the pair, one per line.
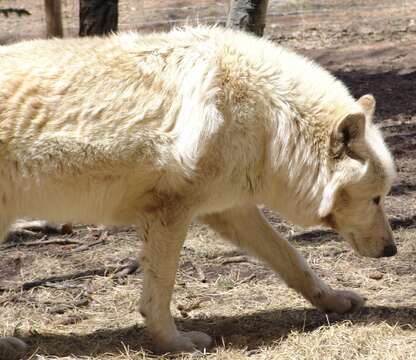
361,176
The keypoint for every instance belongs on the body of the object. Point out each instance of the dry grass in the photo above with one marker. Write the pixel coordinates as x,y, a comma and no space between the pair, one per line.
246,307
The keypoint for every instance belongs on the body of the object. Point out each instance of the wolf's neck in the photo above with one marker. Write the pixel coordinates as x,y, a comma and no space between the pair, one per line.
299,172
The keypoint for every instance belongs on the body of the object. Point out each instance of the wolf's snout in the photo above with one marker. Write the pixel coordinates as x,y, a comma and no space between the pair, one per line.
389,250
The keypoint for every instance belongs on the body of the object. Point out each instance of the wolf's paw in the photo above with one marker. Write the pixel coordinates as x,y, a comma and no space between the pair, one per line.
340,302
12,348
185,342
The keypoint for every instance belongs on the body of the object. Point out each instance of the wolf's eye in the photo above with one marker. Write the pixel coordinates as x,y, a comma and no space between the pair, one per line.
376,200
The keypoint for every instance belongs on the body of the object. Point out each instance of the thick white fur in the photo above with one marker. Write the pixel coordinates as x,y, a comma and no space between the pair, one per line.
157,130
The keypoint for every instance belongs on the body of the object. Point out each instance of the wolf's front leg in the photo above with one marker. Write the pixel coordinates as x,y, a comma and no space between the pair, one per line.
247,227
160,253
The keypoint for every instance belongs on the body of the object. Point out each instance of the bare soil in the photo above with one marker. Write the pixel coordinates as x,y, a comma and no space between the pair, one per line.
371,46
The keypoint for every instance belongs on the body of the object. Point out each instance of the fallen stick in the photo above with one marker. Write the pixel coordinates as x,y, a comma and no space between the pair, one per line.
86,246
116,271
235,259
42,242
62,308
247,279
127,269
18,236
312,234
63,286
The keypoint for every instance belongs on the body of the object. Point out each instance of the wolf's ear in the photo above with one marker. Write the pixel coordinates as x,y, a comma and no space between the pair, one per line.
329,196
368,104
351,128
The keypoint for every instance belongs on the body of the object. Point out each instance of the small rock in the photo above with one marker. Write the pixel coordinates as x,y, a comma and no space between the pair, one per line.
412,26
376,275
12,348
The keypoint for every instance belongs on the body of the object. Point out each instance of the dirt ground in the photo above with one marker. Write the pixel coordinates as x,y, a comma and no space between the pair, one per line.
371,45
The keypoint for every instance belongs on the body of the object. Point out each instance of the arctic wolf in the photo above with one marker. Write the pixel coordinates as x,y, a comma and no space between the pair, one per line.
207,123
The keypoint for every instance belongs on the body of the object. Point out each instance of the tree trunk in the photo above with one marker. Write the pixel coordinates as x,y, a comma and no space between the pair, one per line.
53,13
248,15
97,17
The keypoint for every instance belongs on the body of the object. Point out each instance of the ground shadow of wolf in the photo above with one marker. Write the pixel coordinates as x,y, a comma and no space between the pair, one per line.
244,332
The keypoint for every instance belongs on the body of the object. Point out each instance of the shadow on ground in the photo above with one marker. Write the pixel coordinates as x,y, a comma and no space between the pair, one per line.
394,93
243,332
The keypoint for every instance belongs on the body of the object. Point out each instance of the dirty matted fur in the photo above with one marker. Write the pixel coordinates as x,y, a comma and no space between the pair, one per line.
206,123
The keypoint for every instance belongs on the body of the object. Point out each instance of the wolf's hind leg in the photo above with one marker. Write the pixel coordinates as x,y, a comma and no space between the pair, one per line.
11,348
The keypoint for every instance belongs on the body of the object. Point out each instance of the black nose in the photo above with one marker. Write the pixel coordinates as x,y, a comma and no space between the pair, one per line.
390,250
